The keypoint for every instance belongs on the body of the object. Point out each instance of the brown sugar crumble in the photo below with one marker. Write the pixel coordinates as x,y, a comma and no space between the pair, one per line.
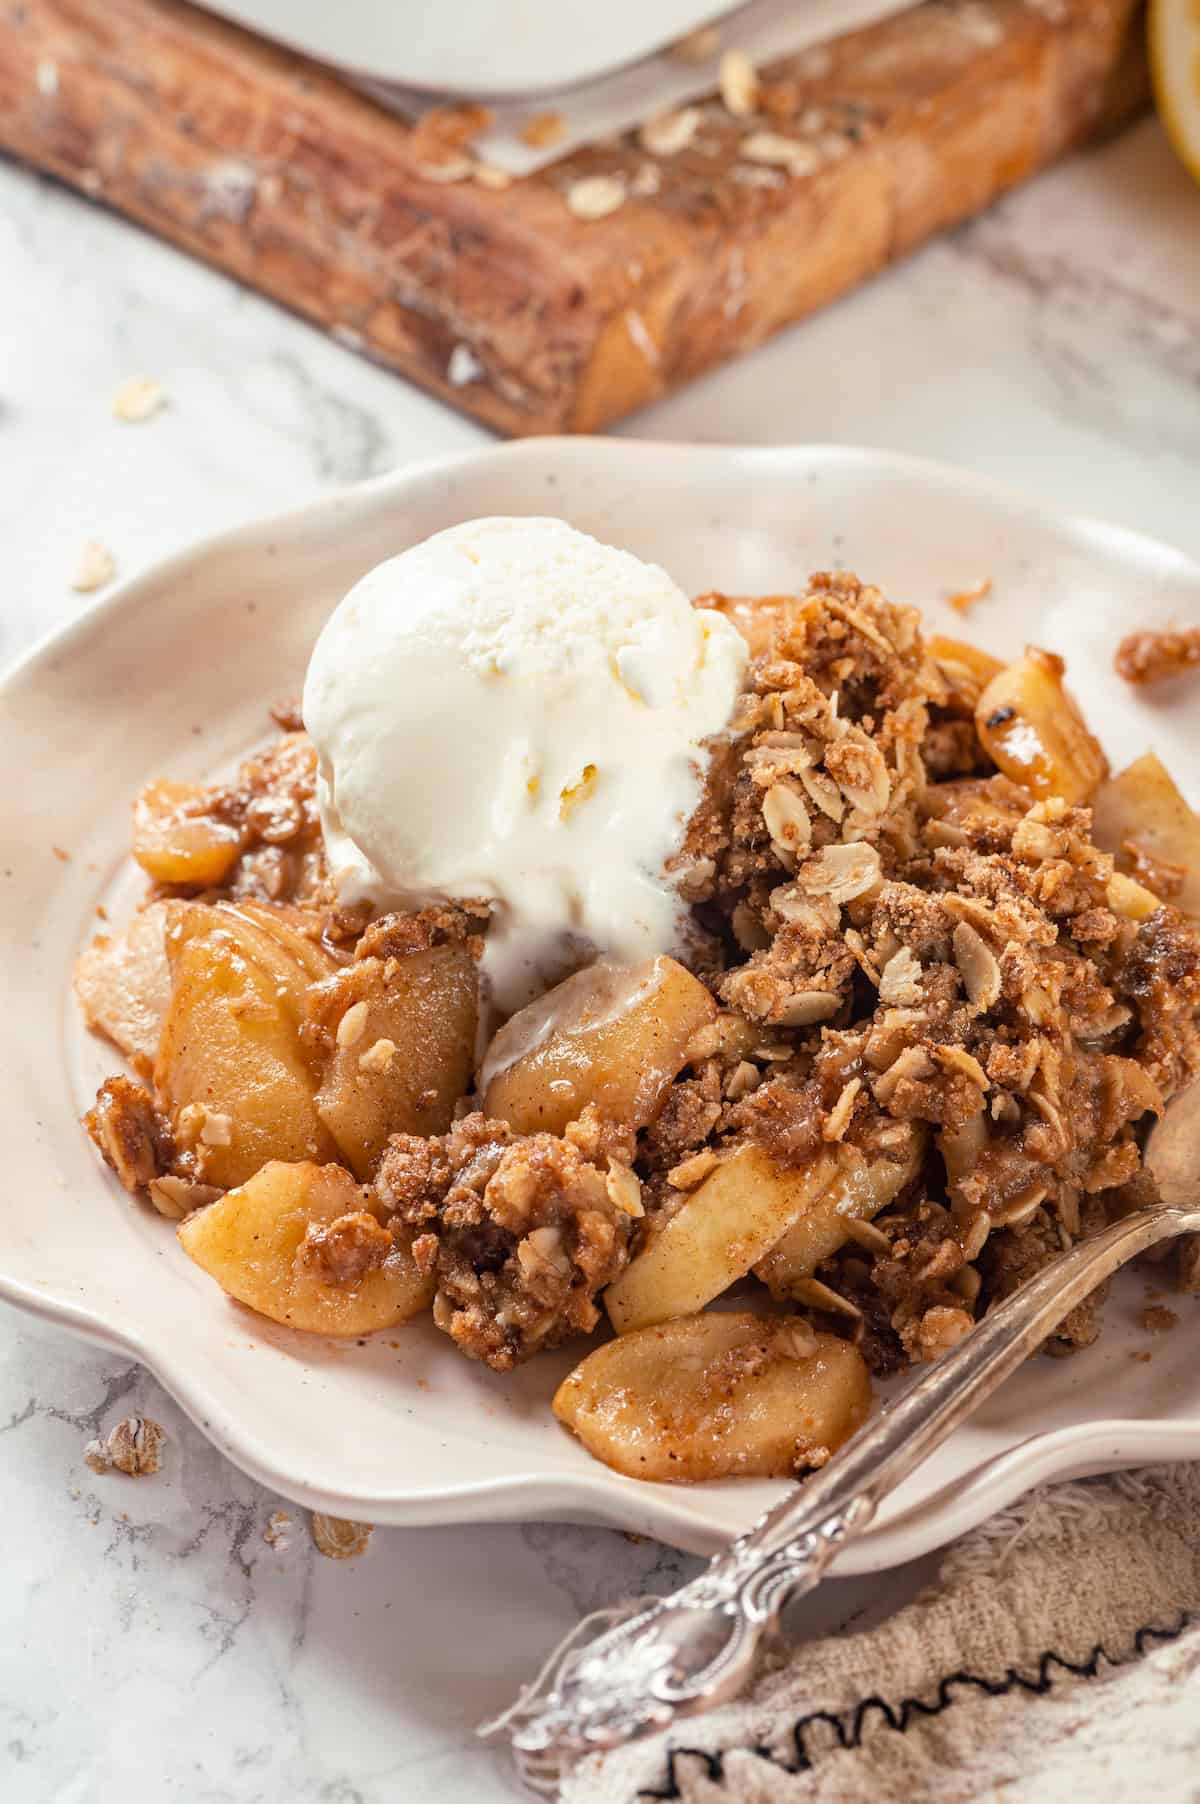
1150,656
520,1233
1158,1320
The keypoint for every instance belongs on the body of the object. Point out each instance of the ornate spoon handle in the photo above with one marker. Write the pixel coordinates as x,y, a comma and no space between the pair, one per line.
698,1647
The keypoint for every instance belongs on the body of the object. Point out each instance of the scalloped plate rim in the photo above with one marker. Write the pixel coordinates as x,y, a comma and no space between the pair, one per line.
600,1495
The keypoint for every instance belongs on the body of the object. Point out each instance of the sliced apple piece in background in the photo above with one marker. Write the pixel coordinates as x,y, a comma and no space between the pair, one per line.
1032,729
1143,820
966,668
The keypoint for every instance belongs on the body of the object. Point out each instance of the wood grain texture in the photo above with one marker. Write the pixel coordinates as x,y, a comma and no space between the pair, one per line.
275,171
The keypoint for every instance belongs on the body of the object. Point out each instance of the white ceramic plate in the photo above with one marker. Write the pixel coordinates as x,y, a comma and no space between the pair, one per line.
172,675
495,48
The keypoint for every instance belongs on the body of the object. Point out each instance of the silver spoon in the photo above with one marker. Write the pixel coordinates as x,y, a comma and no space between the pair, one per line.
700,1646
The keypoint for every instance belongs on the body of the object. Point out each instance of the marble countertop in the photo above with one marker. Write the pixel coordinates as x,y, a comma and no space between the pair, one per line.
157,1646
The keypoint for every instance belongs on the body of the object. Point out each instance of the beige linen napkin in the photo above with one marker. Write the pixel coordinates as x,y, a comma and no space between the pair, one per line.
1053,1658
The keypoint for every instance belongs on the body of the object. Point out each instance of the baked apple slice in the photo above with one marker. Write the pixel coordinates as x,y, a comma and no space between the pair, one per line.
737,1214
175,839
296,933
302,1243
613,1035
232,1071
715,1396
123,984
401,1033
965,669
1141,817
1032,729
862,1183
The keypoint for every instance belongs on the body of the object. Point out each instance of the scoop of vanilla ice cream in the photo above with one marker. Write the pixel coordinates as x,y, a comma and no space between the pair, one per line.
514,712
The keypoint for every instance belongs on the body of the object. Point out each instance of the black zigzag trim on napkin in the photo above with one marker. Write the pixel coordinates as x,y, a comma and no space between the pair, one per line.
849,1726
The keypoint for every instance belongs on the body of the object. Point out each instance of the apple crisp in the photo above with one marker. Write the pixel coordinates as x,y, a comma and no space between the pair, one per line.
941,976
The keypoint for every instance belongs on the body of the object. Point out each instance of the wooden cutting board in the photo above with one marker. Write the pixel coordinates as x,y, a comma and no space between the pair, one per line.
503,301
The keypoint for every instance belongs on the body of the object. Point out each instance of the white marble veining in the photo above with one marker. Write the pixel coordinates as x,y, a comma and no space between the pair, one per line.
155,1646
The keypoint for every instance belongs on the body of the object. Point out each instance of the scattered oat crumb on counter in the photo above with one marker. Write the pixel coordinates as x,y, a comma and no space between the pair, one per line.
278,1530
139,400
1154,655
133,1447
963,600
94,566
1157,1319
61,853
543,130
339,1539
1141,1357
